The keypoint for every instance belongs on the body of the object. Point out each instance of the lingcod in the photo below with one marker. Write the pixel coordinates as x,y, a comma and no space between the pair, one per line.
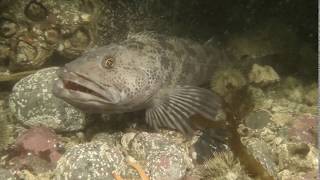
165,76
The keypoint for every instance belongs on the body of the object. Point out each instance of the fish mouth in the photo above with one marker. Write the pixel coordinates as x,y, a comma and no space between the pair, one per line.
70,85
77,88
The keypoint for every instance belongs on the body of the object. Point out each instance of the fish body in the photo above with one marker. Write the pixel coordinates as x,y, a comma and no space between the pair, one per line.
158,73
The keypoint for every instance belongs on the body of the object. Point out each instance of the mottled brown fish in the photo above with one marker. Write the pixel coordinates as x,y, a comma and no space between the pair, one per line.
160,74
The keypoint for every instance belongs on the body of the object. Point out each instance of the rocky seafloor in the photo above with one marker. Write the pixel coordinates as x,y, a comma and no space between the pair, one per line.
270,89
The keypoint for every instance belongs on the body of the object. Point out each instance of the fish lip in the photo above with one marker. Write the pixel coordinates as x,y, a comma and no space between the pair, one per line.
99,94
72,96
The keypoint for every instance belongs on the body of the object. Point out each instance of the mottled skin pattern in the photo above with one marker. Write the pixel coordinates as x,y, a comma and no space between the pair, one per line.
143,71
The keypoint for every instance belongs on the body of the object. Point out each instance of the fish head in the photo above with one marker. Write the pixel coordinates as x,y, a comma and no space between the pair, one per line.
107,79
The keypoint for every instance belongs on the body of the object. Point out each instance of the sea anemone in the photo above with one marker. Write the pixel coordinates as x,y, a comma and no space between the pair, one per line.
222,166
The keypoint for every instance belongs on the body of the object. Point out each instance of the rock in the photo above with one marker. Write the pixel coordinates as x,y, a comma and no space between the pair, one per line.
263,75
6,129
6,174
112,139
94,160
227,81
282,101
211,140
281,157
292,89
262,153
311,95
143,143
41,142
33,44
298,157
161,157
167,163
37,149
257,119
304,128
33,163
164,159
33,103
282,119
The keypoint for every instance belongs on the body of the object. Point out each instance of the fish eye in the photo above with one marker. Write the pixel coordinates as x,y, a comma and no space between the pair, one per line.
108,62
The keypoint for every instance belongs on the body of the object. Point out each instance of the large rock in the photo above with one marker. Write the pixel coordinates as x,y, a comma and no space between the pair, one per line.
33,103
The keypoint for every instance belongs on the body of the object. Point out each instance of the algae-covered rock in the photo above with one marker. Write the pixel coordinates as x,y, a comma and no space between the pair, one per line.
160,156
262,153
303,128
33,103
292,89
311,94
163,158
94,160
5,174
34,30
282,100
281,156
6,130
257,119
297,156
263,75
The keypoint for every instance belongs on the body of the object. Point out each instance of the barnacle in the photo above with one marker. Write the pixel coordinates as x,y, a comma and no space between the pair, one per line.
108,62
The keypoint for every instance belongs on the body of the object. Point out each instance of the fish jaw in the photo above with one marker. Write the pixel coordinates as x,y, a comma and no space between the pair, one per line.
85,93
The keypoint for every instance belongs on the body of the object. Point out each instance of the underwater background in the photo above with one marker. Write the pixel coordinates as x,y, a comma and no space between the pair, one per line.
270,89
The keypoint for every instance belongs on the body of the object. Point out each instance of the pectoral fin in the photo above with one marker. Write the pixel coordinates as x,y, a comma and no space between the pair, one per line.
174,107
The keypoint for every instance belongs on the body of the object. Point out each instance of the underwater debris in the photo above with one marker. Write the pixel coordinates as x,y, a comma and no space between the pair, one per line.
222,166
33,103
